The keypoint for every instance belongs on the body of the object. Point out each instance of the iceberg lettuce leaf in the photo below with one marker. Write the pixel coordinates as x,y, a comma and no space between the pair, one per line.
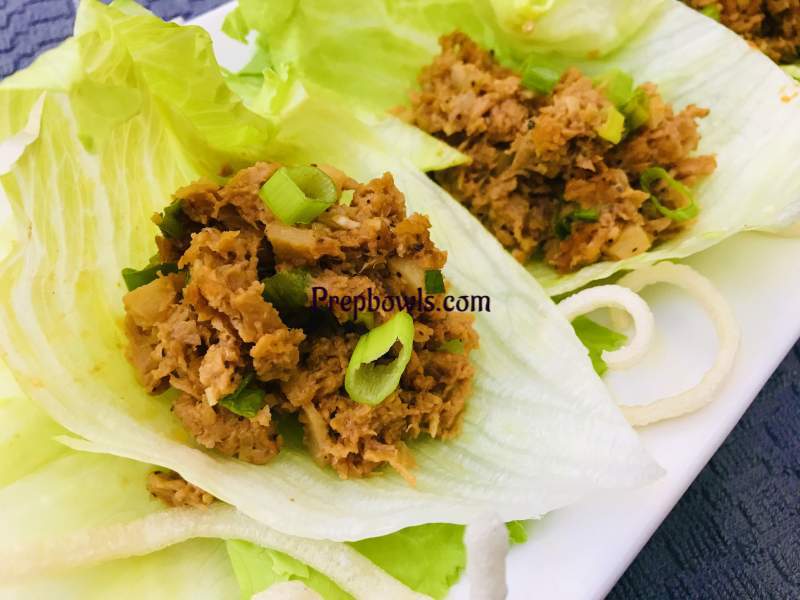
540,432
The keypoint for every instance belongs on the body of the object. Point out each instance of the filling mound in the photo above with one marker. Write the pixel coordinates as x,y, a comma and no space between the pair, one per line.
772,25
565,168
225,315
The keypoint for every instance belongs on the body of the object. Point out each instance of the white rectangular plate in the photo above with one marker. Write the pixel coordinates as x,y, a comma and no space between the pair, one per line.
579,552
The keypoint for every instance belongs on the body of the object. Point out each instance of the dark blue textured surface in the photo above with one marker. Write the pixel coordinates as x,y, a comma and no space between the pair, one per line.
736,532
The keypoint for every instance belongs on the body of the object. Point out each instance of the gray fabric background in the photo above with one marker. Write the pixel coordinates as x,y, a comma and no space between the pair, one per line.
736,532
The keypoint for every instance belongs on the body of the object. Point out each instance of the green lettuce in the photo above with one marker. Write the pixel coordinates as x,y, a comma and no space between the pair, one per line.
541,430
597,340
351,48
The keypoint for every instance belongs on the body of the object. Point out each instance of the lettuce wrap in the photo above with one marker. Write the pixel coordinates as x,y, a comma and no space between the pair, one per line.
102,129
353,50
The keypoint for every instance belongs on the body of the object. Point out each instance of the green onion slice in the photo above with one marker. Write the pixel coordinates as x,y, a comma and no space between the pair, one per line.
540,74
637,109
246,400
134,279
653,174
434,282
563,226
170,221
346,199
369,383
590,215
298,194
286,290
452,346
613,127
712,11
617,86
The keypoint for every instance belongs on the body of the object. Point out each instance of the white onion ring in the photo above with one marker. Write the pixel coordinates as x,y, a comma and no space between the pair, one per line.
727,329
615,296
486,541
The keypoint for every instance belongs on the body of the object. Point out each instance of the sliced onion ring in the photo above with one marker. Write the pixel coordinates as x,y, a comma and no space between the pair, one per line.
615,296
486,541
720,312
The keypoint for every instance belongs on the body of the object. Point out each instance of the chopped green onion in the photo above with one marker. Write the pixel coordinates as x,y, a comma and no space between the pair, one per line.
170,223
653,174
134,279
369,383
298,194
367,319
452,346
617,86
286,290
614,126
434,282
637,109
597,339
712,11
246,400
346,199
589,215
539,74
563,226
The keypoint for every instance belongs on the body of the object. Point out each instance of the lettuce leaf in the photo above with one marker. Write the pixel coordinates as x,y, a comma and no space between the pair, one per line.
541,430
48,490
597,339
353,52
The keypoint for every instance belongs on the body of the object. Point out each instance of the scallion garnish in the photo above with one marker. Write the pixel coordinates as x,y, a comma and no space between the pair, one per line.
246,400
134,279
286,290
298,194
170,223
589,215
540,74
637,109
563,226
434,282
370,383
346,198
617,86
452,346
712,11
653,174
613,127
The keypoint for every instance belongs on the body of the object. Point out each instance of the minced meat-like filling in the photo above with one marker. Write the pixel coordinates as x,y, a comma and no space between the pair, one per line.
204,328
173,490
542,178
772,25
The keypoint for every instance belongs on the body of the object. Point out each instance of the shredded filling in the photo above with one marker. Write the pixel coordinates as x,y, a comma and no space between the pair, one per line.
771,25
544,176
245,367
